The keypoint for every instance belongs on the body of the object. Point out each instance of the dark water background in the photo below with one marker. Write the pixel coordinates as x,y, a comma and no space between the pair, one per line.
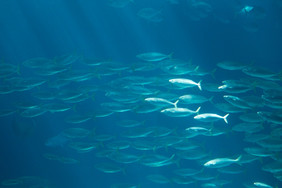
39,28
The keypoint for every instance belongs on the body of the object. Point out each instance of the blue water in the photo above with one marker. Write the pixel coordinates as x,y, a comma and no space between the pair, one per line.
94,29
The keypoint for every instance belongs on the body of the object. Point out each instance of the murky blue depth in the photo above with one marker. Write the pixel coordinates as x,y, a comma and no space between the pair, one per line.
140,93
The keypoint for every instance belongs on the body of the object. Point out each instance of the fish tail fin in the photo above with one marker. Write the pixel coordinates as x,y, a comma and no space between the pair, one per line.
155,148
211,99
197,68
169,56
199,85
176,161
225,118
210,131
175,103
239,158
212,73
74,108
197,111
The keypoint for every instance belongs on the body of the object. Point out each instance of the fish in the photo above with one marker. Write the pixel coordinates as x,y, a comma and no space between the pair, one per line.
59,140
118,145
56,107
194,99
251,118
76,119
228,108
183,180
271,117
108,168
201,72
248,127
232,169
157,160
7,112
7,70
273,96
199,10
153,56
122,157
33,112
231,65
160,131
161,102
75,133
179,112
258,152
144,145
68,84
246,9
237,102
192,154
68,94
178,67
67,160
260,184
129,123
210,117
103,137
221,162
83,147
185,83
150,14
158,178
198,130
186,172
137,132
258,72
236,86
273,167
169,140
37,62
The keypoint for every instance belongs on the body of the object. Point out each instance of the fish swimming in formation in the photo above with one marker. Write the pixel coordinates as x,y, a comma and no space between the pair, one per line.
185,83
237,102
150,14
130,93
209,117
231,65
161,102
179,112
260,184
221,162
59,140
259,72
153,56
246,9
194,99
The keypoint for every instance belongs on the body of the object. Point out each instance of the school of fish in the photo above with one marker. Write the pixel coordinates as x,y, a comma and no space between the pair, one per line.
87,92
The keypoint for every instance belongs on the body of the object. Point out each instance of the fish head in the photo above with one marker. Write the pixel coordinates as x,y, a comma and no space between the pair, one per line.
209,163
172,80
164,111
248,9
223,87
